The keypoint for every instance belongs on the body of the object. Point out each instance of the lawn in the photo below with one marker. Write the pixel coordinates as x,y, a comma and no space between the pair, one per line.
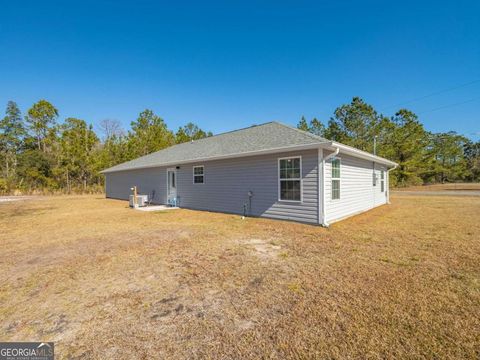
443,187
104,281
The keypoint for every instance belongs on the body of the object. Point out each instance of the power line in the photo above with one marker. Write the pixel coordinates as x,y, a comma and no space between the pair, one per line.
450,105
433,94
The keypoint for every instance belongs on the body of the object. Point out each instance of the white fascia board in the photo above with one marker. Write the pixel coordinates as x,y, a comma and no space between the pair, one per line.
349,150
222,157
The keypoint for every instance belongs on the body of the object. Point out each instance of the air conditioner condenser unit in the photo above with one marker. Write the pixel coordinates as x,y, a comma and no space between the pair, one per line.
142,200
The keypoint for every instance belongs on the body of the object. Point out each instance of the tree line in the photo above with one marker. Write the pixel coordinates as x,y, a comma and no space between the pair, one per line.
38,153
424,157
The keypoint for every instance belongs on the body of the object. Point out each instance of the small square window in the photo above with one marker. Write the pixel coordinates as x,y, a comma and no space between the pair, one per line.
198,175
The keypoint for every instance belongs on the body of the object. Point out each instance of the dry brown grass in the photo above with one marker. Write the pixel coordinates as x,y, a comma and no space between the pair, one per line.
103,281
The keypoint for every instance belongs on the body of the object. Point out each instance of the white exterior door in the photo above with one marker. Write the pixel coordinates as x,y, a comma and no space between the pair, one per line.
171,185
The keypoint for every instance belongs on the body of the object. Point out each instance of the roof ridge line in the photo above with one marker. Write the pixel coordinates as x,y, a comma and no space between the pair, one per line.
231,131
316,137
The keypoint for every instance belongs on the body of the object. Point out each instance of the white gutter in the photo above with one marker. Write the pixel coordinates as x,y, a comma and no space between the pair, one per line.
359,153
324,222
319,185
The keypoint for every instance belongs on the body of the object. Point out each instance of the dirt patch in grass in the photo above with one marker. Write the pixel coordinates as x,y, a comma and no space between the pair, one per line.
264,249
103,281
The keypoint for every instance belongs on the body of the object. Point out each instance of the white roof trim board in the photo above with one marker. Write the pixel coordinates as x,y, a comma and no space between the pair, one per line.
345,149
268,138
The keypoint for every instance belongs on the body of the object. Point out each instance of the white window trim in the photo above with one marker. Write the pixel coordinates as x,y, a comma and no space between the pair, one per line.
332,178
301,179
193,174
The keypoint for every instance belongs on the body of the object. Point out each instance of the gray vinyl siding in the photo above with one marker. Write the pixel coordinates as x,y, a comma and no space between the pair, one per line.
118,184
227,183
226,186
357,192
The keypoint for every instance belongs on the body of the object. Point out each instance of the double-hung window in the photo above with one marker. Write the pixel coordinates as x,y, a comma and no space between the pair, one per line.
198,174
382,181
290,179
335,179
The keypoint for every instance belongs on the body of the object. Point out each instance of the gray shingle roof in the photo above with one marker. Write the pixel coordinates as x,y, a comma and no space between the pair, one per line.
264,137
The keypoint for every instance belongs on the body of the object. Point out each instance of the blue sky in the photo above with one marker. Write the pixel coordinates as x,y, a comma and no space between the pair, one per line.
231,64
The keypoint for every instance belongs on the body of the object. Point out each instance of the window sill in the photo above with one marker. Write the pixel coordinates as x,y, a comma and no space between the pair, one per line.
291,201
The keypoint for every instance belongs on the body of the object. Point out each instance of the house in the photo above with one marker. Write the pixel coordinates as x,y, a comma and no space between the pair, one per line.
270,170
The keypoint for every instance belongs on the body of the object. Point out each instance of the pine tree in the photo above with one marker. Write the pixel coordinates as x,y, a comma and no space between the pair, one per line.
12,131
303,125
149,134
78,143
190,132
42,116
405,143
450,163
354,124
315,126
471,153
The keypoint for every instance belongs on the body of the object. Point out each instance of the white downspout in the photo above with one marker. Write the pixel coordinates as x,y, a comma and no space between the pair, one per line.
324,222
319,185
388,182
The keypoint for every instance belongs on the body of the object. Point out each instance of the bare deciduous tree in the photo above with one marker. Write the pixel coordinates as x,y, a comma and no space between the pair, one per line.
110,127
